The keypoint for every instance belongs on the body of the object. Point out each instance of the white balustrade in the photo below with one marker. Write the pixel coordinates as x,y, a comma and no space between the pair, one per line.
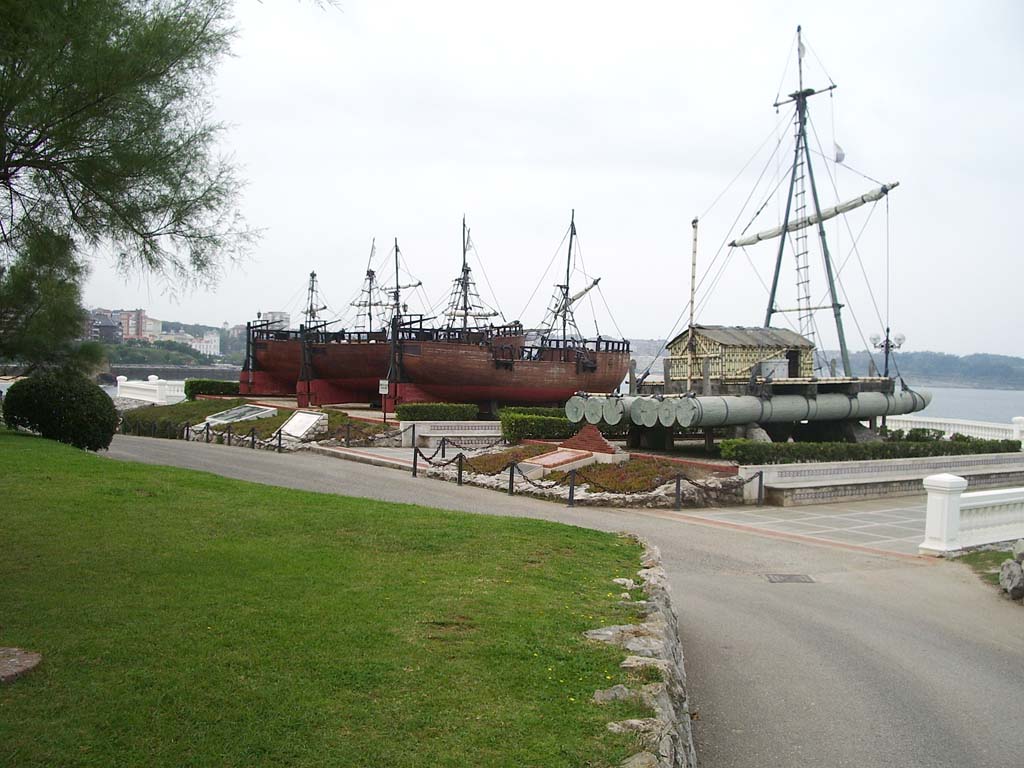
986,430
956,519
153,390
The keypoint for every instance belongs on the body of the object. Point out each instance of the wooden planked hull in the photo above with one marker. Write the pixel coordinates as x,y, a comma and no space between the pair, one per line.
482,373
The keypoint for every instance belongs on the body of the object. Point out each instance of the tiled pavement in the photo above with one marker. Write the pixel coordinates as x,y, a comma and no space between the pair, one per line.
892,525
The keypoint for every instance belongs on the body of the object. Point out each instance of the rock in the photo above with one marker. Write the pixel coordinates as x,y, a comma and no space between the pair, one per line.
639,662
756,433
1011,579
652,556
15,662
641,760
625,596
1018,551
626,583
615,693
639,725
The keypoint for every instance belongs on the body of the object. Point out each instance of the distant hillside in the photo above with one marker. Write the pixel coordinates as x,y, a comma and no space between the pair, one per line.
981,371
978,370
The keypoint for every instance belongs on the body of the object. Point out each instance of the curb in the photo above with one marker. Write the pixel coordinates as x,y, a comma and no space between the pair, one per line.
667,738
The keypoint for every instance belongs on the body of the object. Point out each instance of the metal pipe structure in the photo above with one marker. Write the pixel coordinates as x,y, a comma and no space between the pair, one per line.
720,411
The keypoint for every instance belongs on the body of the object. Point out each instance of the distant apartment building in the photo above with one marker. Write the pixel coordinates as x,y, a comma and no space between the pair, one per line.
154,327
133,323
100,327
278,320
208,345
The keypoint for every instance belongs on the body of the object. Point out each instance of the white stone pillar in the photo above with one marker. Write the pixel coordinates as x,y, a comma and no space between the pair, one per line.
1018,428
120,380
942,521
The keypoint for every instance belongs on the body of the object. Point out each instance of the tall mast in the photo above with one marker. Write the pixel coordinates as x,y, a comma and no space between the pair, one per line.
568,266
465,277
370,275
398,288
691,342
801,160
311,309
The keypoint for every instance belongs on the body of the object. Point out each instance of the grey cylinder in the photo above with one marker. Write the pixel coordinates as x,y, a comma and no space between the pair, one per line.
667,412
615,409
574,408
593,409
724,411
643,411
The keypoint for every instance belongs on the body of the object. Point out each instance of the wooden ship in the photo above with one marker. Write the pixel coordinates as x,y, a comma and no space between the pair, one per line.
467,360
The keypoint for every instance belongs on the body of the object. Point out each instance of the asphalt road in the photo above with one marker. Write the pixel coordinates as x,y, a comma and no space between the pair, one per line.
882,661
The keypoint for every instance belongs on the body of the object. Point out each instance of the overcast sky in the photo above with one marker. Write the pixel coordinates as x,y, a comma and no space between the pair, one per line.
391,119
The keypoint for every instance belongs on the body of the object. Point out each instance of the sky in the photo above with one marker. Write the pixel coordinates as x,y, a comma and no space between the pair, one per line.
390,119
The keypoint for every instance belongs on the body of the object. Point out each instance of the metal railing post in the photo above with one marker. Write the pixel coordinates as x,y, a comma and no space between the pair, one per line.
207,432
229,435
414,435
760,488
188,431
461,457
444,441
572,487
252,434
415,459
679,492
511,478
348,434
279,441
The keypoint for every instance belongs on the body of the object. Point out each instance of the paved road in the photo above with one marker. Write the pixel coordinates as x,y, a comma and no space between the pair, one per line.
883,661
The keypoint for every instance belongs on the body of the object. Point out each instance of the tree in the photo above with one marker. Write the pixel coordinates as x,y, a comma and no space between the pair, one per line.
106,142
106,131
40,306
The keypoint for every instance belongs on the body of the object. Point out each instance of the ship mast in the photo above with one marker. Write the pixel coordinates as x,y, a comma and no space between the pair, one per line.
797,194
465,277
568,266
311,309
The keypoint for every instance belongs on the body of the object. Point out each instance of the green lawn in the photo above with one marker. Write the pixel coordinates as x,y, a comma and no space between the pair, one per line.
171,419
187,619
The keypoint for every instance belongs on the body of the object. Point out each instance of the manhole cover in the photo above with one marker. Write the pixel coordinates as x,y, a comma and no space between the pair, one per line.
789,578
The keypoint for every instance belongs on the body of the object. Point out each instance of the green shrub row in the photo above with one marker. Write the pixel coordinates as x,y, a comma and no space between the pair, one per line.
65,407
750,452
533,410
140,421
195,387
521,426
437,412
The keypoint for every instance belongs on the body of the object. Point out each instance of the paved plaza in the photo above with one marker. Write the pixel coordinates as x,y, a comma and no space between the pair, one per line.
891,525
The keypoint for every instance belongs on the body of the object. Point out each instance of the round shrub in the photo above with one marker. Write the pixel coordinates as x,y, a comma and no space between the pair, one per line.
64,407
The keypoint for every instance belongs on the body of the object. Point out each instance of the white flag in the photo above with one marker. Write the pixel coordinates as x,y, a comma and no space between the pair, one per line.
469,241
800,50
840,154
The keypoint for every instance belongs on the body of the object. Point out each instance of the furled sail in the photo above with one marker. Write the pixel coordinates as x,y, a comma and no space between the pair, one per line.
825,215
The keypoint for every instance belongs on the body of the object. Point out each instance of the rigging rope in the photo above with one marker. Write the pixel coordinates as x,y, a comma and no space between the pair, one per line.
545,274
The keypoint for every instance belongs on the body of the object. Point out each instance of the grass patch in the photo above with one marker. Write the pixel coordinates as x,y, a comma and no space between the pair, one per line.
986,563
169,420
188,619
492,463
638,475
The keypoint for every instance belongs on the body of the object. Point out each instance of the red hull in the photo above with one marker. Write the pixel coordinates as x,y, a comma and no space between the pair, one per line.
471,373
274,367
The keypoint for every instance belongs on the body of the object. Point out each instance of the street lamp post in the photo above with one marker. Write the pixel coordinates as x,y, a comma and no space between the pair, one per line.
887,345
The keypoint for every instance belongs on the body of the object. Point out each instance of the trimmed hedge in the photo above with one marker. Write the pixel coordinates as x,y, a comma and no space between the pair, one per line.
195,387
437,412
521,426
533,410
750,452
66,407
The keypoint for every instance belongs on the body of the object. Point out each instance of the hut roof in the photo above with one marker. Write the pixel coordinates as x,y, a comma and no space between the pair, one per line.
738,336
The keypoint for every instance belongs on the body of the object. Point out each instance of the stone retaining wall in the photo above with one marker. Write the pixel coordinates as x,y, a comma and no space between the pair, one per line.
666,739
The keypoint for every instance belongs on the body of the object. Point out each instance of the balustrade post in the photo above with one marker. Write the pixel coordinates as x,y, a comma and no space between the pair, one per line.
1018,429
942,516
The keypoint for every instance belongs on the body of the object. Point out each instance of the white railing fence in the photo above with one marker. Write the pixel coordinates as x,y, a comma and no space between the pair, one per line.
986,430
153,390
956,519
